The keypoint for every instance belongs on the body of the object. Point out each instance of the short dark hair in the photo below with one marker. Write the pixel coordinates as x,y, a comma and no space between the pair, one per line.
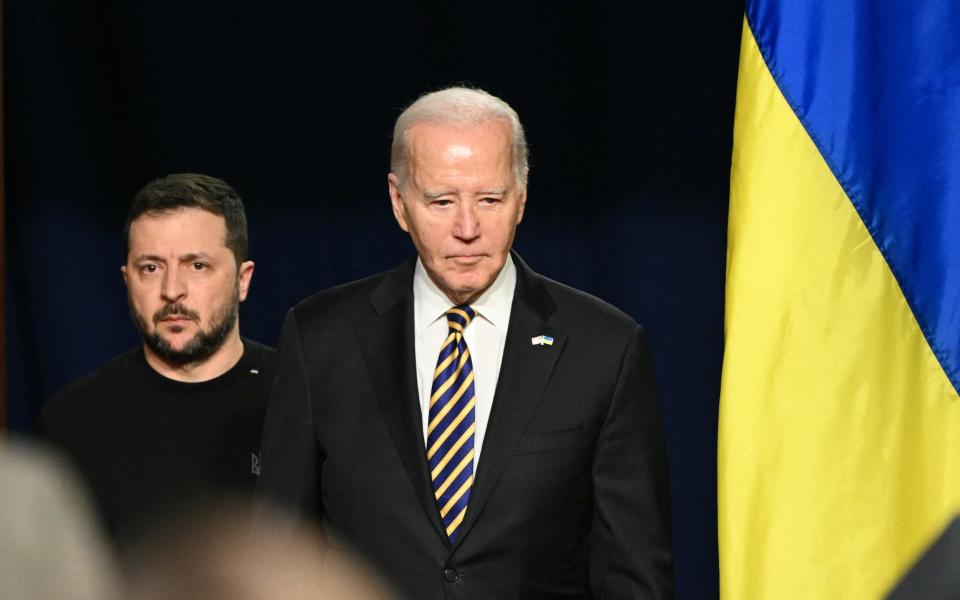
191,190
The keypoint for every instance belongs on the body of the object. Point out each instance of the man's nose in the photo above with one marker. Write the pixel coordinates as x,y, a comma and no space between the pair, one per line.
173,287
467,225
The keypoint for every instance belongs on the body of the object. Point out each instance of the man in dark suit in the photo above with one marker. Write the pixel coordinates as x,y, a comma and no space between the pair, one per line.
474,429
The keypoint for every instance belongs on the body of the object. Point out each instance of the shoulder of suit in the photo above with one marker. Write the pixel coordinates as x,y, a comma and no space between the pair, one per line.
577,306
341,304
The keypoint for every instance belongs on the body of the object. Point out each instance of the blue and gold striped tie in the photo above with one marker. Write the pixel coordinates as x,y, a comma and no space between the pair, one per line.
452,423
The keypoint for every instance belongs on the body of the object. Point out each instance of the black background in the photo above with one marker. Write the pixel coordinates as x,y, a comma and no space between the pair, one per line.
628,108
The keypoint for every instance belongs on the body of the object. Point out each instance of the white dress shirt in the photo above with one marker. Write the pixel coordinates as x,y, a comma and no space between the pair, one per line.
485,337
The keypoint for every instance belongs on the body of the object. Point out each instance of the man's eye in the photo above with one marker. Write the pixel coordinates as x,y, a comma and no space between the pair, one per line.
149,268
490,200
199,266
442,202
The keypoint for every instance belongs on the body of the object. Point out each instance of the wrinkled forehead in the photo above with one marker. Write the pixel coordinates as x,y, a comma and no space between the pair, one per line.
427,130
432,144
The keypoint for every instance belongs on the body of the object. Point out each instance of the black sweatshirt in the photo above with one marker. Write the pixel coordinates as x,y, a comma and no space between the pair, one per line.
145,443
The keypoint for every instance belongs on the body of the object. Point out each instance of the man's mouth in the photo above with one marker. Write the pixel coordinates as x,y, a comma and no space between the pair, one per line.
176,319
467,259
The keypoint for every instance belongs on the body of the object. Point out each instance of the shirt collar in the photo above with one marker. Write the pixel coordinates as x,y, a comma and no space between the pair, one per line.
430,304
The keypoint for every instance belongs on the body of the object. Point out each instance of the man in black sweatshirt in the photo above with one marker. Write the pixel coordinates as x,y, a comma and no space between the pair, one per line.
179,417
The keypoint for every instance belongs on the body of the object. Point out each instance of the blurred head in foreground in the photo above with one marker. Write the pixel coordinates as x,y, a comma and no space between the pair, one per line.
219,552
50,546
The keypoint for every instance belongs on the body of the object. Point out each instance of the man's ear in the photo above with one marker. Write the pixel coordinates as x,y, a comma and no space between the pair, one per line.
126,281
244,275
396,201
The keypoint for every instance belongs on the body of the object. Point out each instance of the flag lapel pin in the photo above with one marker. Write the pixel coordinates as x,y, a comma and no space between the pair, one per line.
541,340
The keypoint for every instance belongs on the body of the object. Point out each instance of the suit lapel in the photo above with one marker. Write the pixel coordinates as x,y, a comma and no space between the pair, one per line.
524,373
388,346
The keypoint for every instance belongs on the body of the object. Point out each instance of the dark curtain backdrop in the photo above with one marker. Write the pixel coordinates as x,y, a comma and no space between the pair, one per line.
628,108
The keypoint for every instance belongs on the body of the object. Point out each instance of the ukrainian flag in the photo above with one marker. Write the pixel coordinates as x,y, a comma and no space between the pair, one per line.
839,441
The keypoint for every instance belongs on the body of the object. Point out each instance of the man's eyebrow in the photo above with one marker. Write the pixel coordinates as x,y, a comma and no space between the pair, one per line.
151,257
193,256
434,194
190,256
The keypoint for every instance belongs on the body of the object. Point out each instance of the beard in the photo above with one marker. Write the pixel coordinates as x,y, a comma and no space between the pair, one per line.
202,345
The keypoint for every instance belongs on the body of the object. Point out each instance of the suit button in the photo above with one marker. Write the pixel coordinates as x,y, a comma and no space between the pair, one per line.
451,575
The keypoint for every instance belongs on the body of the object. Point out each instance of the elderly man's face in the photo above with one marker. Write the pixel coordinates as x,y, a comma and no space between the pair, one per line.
183,284
460,203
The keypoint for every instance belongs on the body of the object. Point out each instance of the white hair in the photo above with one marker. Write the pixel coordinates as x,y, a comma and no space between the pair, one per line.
460,106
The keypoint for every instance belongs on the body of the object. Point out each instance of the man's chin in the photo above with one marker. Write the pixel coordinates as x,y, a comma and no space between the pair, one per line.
475,282
181,350
176,342
179,338
466,291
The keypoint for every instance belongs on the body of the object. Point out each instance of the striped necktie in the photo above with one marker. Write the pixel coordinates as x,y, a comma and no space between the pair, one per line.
451,427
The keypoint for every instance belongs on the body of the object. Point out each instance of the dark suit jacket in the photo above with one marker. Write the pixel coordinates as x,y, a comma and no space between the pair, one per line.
571,495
